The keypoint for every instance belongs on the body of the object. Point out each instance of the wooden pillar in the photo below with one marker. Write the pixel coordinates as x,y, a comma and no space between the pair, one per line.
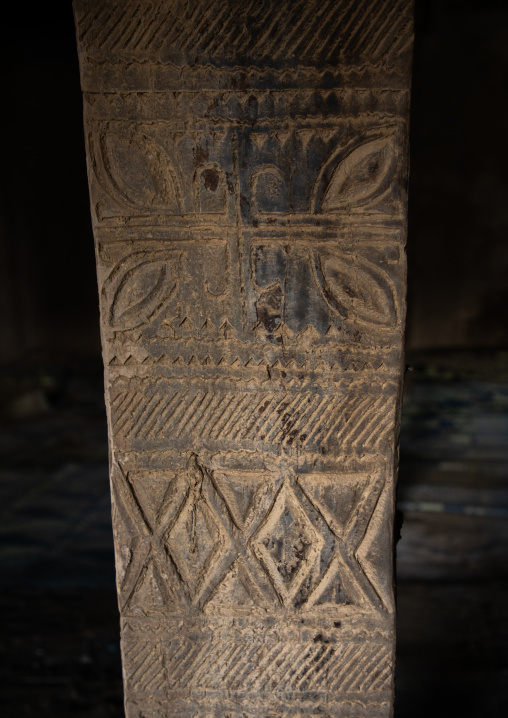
247,165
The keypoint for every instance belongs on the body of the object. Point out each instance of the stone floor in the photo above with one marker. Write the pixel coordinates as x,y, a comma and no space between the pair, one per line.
60,648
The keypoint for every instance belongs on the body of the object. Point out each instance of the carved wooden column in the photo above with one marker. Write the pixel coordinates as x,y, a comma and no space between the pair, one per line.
247,166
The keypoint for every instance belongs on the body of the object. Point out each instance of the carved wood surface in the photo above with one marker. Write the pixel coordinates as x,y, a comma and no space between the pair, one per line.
247,166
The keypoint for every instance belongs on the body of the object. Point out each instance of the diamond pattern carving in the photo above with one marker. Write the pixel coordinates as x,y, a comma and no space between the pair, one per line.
194,540
287,544
296,538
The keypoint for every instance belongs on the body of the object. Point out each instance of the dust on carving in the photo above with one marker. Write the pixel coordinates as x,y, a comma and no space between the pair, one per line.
247,167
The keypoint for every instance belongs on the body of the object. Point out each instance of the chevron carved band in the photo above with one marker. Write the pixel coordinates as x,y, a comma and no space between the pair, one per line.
247,168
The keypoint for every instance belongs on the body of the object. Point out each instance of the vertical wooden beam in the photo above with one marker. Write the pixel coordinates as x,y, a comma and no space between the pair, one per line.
247,167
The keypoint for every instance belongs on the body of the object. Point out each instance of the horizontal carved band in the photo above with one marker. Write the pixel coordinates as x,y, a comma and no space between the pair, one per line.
219,31
242,541
293,669
148,413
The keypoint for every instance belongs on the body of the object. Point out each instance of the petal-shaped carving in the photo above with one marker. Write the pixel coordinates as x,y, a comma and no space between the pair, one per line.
363,174
269,190
138,288
356,289
140,171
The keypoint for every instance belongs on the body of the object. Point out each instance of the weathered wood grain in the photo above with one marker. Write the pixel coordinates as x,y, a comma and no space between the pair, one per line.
247,168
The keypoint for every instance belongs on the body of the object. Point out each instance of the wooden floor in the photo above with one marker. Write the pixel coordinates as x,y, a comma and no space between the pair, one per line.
59,648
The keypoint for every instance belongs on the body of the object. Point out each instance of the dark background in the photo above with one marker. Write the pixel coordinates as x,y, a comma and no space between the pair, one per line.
60,641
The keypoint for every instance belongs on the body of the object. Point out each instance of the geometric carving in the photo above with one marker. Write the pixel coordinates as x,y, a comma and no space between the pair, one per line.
194,540
288,545
268,190
361,176
312,420
147,673
348,286
353,285
210,189
221,530
347,504
139,288
247,172
342,284
152,185
296,669
337,31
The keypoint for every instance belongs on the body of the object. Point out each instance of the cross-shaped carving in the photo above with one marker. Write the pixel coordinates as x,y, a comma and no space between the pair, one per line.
148,545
